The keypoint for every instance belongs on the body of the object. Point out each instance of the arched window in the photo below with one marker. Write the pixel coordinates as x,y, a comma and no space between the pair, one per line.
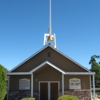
24,84
75,83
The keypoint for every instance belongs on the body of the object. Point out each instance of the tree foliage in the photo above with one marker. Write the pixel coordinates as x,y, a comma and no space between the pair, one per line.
2,82
95,67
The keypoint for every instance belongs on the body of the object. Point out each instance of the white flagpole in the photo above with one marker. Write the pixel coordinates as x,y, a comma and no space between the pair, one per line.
50,20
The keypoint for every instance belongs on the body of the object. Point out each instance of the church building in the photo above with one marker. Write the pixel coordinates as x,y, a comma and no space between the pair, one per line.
49,73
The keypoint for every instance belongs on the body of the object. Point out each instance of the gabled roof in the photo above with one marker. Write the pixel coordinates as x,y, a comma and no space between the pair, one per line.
53,49
53,66
49,63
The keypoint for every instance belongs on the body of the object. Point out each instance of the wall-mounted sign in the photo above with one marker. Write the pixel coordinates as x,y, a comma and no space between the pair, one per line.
24,84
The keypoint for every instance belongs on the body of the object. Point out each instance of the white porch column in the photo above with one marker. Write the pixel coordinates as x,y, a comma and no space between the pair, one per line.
62,84
90,87
93,86
32,85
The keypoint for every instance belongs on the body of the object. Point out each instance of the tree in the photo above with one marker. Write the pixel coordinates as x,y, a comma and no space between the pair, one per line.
95,67
2,82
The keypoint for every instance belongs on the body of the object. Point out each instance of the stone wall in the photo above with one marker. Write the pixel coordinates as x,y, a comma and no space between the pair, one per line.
81,94
36,94
19,94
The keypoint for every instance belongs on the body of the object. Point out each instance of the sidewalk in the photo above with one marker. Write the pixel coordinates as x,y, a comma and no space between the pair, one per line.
96,98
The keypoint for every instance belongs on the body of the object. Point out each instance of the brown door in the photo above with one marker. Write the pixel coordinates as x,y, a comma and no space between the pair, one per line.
54,91
43,91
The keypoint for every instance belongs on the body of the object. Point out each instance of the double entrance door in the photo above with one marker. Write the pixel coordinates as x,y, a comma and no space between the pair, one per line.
49,90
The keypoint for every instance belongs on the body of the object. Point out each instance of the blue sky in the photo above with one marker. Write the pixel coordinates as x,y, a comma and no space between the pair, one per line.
24,22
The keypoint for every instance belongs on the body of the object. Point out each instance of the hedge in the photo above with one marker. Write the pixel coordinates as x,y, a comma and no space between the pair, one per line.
28,99
67,97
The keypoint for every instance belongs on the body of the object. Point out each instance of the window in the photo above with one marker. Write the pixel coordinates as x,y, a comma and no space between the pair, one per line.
49,54
24,84
75,83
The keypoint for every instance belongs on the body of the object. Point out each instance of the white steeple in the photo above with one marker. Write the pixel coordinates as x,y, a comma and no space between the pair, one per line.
50,37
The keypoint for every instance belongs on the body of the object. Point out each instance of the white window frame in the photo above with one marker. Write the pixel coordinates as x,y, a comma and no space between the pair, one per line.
74,83
24,84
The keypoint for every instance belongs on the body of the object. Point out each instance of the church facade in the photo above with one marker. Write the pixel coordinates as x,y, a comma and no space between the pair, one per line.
48,74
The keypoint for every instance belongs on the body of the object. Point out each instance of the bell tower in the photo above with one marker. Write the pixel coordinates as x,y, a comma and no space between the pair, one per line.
50,38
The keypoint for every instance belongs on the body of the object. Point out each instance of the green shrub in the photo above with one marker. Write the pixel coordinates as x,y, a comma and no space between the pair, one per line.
28,99
67,97
2,82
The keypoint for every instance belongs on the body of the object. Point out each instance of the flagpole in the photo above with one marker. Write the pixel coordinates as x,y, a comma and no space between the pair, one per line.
50,19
